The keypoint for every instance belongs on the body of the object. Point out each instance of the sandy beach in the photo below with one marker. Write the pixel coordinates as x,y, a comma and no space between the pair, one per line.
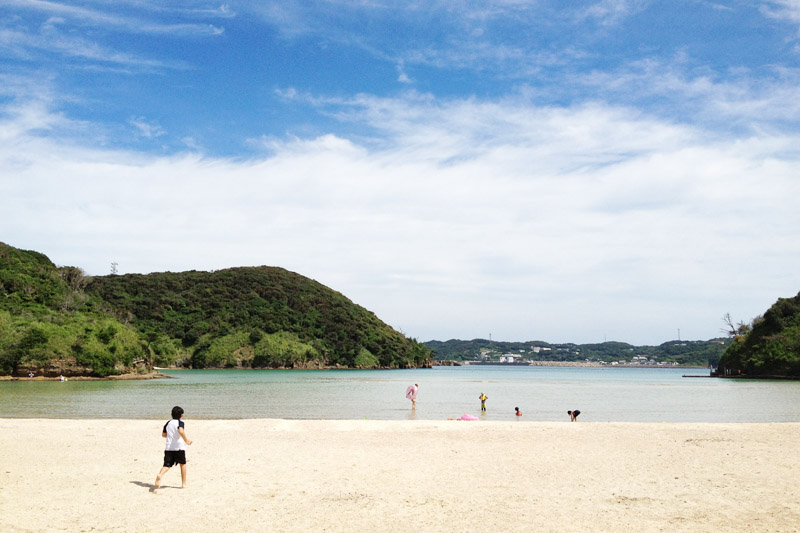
365,475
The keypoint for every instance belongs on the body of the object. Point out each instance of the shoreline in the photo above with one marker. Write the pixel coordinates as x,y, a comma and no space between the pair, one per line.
448,362
119,377
157,374
347,475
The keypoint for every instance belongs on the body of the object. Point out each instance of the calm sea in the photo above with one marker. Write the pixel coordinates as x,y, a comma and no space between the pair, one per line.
541,393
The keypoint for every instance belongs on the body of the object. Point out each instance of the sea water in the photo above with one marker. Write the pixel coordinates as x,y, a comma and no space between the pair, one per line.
541,393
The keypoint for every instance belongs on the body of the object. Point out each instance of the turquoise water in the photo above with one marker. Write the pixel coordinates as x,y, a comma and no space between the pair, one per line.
541,393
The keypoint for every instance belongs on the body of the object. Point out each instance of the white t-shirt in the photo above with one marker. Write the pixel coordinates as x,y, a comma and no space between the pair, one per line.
174,440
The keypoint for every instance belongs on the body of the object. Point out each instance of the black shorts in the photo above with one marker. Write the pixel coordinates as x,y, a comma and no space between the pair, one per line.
171,457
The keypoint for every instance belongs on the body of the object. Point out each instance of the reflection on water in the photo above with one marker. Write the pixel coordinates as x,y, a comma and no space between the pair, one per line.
541,393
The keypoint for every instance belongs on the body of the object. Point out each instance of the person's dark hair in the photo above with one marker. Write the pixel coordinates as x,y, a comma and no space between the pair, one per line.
177,412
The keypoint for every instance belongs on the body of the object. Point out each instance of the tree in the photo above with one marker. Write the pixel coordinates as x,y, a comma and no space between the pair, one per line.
734,330
34,339
74,277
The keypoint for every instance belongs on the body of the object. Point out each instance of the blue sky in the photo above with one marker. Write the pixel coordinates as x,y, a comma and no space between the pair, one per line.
562,171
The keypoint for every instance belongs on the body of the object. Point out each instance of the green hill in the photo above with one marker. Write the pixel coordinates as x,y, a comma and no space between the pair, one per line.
50,325
254,317
55,320
771,348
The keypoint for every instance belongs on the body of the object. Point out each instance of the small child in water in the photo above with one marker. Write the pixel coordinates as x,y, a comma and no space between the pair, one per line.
573,415
517,411
483,399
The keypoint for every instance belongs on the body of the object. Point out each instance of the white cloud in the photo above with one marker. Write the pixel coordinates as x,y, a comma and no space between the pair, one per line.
783,9
26,44
402,77
148,130
97,17
468,217
743,99
610,12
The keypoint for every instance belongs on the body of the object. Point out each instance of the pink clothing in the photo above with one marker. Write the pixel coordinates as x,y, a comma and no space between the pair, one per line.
411,392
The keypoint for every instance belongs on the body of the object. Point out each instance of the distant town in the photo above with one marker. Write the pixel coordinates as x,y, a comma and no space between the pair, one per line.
523,358
538,353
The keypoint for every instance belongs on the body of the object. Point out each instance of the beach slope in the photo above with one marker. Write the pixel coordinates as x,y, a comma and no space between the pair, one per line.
364,475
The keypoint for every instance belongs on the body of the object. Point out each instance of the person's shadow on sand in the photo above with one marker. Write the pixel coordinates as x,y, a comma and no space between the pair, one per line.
151,486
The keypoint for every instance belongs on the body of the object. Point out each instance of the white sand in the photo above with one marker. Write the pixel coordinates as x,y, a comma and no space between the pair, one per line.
277,475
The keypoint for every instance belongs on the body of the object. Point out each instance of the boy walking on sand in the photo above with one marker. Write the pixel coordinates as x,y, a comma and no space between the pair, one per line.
175,450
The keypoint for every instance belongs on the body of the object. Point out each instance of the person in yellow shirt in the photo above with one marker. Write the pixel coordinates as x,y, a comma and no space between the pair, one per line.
483,399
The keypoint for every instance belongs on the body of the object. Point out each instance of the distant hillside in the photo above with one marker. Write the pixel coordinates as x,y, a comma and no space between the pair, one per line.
48,324
57,320
694,353
772,345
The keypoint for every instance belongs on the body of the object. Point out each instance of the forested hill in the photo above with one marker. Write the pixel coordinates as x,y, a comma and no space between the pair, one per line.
253,316
55,320
770,347
694,353
51,326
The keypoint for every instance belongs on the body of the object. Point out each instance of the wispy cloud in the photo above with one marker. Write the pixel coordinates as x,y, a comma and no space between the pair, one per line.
441,34
736,101
402,77
50,39
784,9
200,9
611,12
63,33
85,16
145,128
64,10
29,115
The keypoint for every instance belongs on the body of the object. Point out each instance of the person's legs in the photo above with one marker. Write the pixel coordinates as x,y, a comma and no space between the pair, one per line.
183,475
158,477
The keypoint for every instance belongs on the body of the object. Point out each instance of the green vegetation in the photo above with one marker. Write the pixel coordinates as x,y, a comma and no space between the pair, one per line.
48,324
690,353
263,317
58,321
770,347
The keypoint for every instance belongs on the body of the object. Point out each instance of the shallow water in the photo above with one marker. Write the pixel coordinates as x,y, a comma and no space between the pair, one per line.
541,393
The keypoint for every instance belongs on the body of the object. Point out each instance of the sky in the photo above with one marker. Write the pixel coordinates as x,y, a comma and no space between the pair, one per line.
578,171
